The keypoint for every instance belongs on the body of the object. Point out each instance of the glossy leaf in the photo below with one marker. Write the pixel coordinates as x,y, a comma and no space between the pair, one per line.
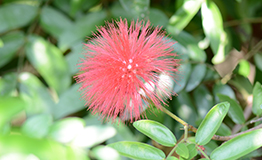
213,27
137,150
54,22
16,15
197,75
172,158
156,131
182,150
11,43
49,62
203,100
37,126
257,100
185,14
66,130
238,146
36,95
185,69
235,111
9,107
211,123
69,102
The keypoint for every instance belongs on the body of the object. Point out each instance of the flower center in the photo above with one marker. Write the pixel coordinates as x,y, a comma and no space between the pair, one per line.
128,69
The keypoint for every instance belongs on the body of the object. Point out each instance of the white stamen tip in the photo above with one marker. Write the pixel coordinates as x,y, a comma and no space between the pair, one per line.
130,60
129,66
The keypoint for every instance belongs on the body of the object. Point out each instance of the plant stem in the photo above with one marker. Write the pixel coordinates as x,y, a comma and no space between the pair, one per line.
202,152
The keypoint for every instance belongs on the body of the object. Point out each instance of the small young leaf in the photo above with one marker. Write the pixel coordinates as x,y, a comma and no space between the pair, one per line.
137,150
235,111
156,131
182,150
257,100
211,123
238,146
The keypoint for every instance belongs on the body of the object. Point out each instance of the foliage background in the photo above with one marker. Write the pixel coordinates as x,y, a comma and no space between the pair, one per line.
41,114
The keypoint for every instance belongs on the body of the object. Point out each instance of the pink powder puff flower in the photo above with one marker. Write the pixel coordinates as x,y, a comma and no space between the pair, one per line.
122,69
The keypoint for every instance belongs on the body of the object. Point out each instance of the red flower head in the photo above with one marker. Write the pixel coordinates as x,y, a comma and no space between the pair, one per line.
122,69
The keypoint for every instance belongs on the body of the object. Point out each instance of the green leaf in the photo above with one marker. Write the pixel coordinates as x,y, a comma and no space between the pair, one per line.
66,130
223,89
69,102
244,68
242,84
213,27
158,17
172,158
32,147
53,21
93,135
223,130
192,150
185,14
257,101
183,78
182,150
37,96
211,123
83,27
235,111
137,150
203,100
8,84
156,131
138,8
49,62
197,75
258,60
37,126
184,106
189,42
9,107
11,43
76,153
13,16
101,153
239,146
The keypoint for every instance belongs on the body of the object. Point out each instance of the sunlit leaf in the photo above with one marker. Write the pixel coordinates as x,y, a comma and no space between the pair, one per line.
66,130
185,14
101,153
156,131
9,107
49,62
